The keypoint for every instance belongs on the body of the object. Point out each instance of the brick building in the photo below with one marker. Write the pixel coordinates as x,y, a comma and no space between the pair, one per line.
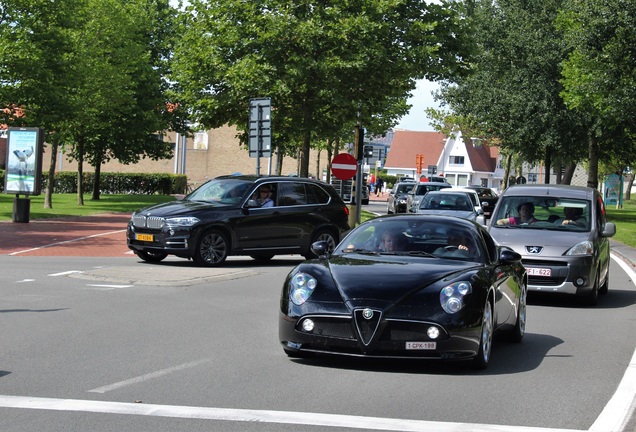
208,154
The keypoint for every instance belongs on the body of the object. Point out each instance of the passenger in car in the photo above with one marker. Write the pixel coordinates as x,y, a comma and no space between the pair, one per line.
526,216
392,241
573,216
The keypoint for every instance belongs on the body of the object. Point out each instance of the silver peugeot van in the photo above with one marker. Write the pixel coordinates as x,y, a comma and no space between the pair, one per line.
562,235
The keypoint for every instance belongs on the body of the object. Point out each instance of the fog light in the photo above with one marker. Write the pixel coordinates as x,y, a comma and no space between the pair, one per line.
433,332
579,281
308,325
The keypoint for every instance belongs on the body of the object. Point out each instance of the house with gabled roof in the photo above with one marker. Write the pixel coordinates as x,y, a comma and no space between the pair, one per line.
462,162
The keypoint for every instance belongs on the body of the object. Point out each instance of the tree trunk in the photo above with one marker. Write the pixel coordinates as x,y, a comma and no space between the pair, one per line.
592,173
98,170
48,193
330,146
80,172
304,154
569,173
548,164
628,191
504,185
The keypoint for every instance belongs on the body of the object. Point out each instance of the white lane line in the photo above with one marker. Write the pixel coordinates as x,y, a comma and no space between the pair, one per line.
66,241
149,376
65,273
108,287
258,416
618,410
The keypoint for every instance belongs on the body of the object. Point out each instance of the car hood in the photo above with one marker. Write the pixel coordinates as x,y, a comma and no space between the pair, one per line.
388,278
552,243
177,208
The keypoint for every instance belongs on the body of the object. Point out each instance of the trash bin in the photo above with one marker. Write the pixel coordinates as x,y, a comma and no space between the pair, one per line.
21,209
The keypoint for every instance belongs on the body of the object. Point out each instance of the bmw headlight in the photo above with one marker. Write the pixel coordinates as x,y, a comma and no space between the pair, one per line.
302,285
182,221
451,297
583,248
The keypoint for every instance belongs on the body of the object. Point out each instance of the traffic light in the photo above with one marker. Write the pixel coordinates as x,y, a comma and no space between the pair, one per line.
368,151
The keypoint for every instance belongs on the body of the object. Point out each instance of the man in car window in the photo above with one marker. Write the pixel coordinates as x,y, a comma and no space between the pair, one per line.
573,216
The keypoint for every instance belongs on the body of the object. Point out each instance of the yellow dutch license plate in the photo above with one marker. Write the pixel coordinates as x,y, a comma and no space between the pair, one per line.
144,237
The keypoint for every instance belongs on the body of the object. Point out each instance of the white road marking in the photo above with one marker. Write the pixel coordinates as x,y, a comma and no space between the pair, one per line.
620,407
66,241
257,416
64,273
109,287
25,280
149,376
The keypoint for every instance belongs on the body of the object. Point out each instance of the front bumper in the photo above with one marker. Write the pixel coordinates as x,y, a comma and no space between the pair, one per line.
568,275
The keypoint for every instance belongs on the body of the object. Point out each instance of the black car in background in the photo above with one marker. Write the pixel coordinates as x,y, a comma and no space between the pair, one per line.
223,217
487,197
396,201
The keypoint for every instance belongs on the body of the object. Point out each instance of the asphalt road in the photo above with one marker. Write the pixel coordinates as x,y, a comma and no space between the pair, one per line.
108,343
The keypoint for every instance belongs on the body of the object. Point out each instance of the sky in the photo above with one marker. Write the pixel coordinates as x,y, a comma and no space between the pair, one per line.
416,119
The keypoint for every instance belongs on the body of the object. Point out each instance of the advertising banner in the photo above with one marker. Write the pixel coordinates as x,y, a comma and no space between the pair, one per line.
24,161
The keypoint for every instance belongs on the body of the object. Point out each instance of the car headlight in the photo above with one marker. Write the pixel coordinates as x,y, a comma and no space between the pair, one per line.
182,221
451,297
583,248
302,285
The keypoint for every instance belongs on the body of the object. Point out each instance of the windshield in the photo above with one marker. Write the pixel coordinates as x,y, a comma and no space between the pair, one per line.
223,191
403,188
551,213
417,238
441,201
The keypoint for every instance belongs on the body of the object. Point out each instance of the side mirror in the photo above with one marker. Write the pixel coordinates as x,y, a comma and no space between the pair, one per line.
320,249
609,229
508,256
485,204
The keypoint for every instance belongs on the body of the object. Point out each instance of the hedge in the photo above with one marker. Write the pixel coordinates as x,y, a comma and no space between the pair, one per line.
117,183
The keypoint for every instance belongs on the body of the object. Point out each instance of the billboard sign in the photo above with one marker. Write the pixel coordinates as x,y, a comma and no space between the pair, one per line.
24,161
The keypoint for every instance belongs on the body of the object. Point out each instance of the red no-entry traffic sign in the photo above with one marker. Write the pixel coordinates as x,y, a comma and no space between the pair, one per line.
344,166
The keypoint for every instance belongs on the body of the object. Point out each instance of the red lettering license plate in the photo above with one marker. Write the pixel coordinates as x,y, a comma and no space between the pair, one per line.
546,272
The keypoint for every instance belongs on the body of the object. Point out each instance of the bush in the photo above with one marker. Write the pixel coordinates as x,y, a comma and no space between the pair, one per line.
117,183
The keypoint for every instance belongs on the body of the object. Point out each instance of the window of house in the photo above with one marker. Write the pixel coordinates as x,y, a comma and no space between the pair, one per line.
456,160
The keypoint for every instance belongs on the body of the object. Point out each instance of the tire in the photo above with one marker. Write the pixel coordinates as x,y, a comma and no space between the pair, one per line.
520,326
212,249
323,235
605,287
485,339
263,258
151,257
591,299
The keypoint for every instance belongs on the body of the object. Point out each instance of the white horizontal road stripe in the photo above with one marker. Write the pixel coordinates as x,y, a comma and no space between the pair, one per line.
149,376
65,273
259,416
66,241
109,287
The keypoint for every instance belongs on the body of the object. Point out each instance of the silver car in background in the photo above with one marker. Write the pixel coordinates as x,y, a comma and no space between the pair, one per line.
564,245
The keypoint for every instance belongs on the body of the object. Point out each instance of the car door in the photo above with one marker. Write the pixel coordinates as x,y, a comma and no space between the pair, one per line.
297,216
259,228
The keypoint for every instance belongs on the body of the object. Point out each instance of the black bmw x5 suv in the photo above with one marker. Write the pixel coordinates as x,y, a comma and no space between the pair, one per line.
224,217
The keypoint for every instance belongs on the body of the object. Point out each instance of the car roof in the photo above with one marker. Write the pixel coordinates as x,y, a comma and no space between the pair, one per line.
543,190
267,178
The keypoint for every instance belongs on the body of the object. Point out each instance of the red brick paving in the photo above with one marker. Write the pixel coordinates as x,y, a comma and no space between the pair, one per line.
101,235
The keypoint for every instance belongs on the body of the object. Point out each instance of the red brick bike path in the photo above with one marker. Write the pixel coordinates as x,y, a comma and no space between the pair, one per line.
101,235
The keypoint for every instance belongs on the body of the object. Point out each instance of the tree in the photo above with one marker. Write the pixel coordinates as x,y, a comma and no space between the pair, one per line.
513,91
598,75
324,65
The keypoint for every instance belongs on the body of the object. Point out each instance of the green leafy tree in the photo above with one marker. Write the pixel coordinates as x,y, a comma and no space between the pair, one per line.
324,64
513,91
598,75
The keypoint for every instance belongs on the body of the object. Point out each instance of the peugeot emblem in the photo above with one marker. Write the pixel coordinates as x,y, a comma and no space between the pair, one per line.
367,314
534,249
